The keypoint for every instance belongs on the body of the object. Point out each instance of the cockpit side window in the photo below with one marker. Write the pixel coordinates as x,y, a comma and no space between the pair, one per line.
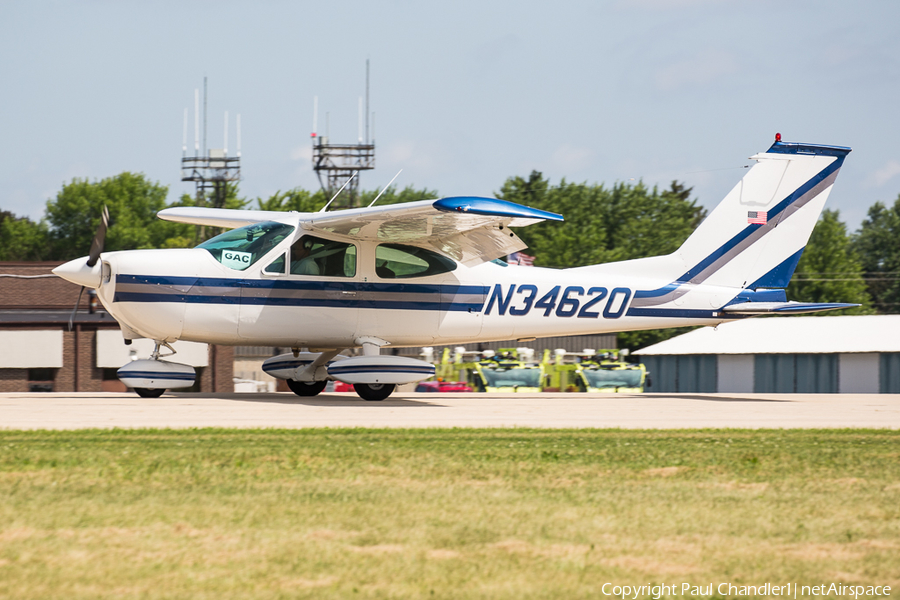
312,255
239,248
397,261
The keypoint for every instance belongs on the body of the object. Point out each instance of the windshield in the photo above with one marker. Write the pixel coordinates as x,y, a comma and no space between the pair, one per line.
529,377
613,378
241,247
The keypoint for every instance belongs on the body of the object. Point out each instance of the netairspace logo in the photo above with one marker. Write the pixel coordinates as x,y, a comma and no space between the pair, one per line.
788,590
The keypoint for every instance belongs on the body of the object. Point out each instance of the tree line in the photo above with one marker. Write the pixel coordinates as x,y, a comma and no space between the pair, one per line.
603,223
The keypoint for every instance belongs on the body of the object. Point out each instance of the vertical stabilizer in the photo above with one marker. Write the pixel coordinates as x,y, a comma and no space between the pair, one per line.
755,236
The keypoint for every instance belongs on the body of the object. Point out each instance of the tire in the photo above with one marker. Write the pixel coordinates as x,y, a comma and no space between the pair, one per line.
302,388
148,393
374,392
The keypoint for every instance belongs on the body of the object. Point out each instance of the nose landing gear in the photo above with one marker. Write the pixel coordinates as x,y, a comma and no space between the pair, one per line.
150,378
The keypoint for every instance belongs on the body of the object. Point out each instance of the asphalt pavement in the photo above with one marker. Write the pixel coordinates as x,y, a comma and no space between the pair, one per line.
285,410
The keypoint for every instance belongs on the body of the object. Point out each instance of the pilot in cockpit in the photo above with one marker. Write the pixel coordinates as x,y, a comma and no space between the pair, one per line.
301,261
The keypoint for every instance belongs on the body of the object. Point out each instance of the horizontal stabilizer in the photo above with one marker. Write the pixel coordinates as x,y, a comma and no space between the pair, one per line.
766,308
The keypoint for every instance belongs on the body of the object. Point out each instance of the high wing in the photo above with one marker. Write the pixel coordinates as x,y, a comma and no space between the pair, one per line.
470,229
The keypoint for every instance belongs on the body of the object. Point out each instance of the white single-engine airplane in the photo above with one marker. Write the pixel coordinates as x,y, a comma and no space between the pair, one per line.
427,273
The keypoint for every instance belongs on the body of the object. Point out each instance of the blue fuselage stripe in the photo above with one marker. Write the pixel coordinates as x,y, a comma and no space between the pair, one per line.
326,294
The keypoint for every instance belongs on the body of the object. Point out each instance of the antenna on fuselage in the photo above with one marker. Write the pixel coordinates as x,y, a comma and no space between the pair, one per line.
324,208
385,188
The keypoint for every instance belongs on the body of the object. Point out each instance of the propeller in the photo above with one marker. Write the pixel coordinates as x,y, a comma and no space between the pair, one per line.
93,256
99,239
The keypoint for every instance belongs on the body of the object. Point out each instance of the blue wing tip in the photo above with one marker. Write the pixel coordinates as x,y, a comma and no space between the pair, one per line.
493,207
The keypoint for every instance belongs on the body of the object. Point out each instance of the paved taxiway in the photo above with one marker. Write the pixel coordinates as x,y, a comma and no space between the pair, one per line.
657,411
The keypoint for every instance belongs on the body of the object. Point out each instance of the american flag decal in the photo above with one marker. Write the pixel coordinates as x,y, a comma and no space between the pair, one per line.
758,217
520,258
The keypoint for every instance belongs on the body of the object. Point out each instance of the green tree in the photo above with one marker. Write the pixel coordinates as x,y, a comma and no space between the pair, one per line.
603,224
133,202
877,243
829,269
191,235
23,239
297,199
395,196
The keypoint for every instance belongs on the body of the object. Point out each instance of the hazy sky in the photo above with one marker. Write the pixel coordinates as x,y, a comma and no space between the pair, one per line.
466,93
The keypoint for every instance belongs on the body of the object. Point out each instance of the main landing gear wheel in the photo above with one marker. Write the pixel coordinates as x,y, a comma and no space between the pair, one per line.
302,388
374,392
148,393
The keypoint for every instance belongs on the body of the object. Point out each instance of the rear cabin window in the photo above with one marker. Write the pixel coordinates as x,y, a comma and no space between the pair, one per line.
239,248
396,261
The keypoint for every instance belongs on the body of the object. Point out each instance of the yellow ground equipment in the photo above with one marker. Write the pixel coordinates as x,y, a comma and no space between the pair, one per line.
595,371
607,371
508,370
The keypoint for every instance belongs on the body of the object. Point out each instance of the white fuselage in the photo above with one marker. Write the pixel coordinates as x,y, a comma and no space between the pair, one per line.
169,295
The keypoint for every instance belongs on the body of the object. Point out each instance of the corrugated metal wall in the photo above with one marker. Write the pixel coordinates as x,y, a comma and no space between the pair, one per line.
889,374
796,373
689,373
772,373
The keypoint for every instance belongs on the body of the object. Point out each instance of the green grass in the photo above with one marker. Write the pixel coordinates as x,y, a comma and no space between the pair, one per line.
508,513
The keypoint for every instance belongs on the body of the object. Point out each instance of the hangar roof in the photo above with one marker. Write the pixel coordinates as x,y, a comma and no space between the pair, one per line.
788,335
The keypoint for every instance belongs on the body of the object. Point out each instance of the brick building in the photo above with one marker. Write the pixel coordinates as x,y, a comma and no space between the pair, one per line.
39,351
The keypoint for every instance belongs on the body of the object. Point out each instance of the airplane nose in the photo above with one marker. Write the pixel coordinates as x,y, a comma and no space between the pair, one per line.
77,271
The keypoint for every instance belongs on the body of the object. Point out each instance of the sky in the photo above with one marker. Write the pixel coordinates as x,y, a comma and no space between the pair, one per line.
465,94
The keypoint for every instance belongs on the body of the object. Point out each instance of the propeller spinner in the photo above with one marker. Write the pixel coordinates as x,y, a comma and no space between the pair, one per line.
84,271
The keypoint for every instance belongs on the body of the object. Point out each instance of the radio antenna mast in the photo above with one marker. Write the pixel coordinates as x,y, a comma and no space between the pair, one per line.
367,101
324,208
334,163
213,169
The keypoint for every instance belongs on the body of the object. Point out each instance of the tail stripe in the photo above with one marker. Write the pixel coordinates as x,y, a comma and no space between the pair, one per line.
752,233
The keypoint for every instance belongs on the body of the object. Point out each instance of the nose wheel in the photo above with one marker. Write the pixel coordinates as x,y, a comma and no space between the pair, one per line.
374,392
148,393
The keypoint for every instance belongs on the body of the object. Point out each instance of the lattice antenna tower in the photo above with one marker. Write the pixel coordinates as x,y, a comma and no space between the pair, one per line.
334,164
211,169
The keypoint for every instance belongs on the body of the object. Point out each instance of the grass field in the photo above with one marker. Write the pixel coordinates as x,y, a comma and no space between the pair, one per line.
461,513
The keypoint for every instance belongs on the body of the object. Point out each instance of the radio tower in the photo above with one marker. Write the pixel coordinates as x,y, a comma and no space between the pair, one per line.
334,164
210,168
